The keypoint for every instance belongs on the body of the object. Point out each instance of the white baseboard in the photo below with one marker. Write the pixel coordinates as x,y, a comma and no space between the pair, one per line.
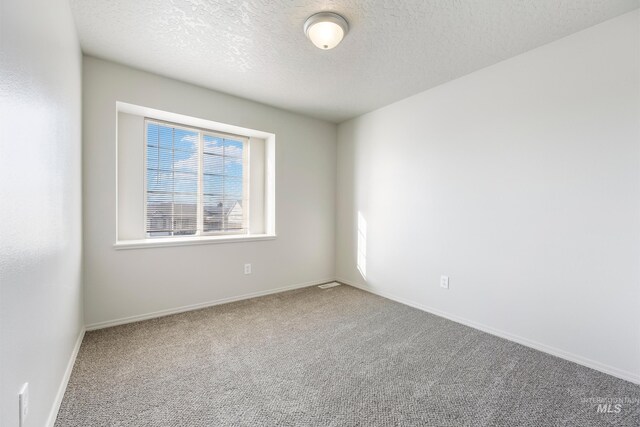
619,373
53,414
167,312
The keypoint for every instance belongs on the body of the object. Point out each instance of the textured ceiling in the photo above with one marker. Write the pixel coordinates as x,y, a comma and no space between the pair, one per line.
256,49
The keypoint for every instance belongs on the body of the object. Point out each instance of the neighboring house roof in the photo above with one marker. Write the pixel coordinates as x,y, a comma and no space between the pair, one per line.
223,208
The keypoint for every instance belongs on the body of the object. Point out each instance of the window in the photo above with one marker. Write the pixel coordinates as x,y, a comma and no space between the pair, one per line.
196,181
184,180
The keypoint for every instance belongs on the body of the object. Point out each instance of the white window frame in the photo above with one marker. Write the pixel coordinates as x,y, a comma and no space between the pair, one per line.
246,196
267,230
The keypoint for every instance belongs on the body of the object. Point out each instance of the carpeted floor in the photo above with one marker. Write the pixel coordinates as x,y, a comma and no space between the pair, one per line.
334,357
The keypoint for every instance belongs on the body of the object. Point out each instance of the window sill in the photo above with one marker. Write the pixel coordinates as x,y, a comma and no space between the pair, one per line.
189,241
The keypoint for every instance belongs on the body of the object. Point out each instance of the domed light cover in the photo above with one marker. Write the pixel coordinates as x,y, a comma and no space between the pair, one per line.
326,30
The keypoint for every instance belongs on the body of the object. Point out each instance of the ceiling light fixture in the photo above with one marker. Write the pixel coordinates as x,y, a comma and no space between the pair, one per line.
326,30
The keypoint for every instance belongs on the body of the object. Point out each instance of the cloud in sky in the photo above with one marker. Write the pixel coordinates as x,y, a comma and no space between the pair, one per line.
185,157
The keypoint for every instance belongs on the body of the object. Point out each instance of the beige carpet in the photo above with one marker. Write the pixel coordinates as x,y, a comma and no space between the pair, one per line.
334,357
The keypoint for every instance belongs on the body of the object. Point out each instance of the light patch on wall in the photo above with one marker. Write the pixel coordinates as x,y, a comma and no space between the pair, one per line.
362,246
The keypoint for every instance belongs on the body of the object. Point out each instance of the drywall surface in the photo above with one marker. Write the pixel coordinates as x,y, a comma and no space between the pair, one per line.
125,283
521,182
40,218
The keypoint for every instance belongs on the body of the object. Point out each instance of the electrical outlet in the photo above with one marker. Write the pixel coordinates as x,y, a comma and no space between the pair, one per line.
444,282
247,269
23,403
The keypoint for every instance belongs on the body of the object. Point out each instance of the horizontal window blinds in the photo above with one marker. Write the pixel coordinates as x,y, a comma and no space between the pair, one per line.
223,183
196,182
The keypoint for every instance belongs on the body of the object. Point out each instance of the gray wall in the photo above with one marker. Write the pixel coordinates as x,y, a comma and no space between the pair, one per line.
121,284
521,182
40,216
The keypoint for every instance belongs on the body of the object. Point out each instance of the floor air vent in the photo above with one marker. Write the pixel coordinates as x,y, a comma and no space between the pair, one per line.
329,285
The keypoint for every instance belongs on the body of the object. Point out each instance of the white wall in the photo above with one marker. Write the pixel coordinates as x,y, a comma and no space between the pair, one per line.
40,216
130,175
521,182
126,283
